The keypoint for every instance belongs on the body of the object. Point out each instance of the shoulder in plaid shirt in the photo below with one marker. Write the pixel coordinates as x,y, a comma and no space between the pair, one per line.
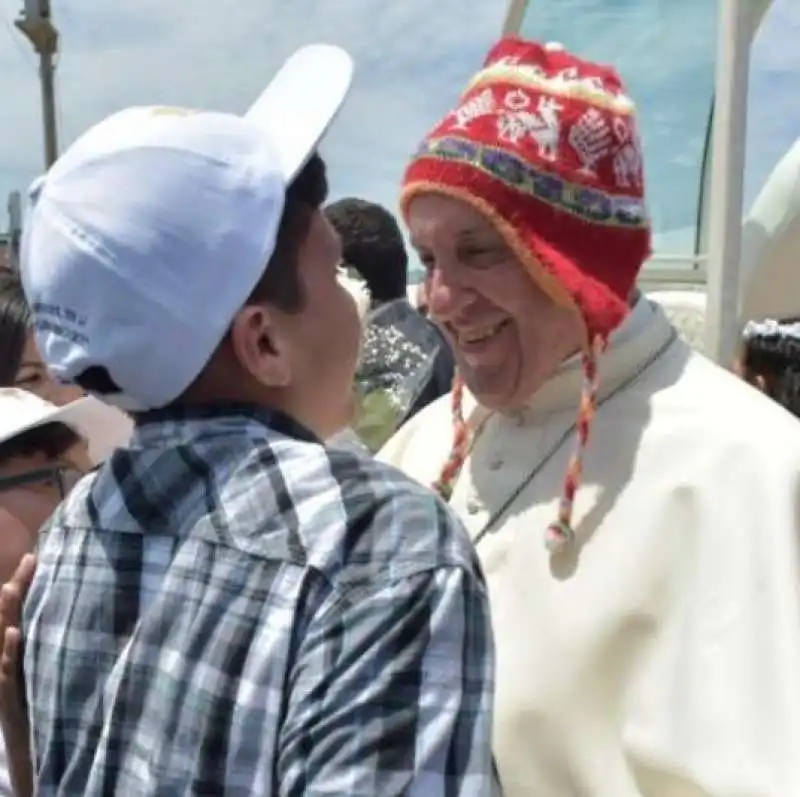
228,607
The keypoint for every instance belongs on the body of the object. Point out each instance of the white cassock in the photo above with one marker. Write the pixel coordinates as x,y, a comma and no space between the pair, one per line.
663,660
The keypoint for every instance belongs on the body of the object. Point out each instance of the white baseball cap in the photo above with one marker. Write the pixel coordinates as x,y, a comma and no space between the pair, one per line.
104,428
149,233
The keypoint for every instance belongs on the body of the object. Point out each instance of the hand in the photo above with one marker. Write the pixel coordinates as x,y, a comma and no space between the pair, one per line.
13,711
13,706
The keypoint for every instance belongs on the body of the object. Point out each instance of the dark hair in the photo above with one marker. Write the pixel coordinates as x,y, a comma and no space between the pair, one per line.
280,284
15,323
51,439
373,245
771,356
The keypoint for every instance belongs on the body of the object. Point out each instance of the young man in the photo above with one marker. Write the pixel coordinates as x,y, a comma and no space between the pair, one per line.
227,606
634,505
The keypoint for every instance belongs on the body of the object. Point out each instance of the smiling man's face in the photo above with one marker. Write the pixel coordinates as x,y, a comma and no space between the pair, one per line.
507,334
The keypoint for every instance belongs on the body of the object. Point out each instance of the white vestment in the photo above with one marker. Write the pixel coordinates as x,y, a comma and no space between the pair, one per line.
663,660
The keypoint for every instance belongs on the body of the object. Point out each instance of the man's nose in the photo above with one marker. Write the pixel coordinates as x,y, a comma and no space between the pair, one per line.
446,295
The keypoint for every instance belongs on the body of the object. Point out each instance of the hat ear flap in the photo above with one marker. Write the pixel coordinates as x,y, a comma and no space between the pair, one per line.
560,532
461,443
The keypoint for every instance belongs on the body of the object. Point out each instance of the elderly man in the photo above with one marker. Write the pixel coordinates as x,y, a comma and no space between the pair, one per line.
634,506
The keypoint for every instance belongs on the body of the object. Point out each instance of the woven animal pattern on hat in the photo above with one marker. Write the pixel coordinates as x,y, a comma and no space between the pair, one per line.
555,126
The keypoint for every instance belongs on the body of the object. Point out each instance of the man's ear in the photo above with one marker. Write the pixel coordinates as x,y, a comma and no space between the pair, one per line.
261,346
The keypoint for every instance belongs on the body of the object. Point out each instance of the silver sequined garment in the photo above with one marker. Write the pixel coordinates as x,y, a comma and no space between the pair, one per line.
393,363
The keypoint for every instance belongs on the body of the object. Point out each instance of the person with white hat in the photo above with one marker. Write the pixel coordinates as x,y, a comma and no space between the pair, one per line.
633,505
227,605
44,450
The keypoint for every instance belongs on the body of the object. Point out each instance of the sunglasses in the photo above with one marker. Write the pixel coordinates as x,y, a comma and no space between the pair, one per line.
60,477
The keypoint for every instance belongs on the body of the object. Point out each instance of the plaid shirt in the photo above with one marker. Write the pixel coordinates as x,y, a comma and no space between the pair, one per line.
229,607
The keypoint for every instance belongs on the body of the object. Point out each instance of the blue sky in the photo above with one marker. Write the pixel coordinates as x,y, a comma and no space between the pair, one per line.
412,60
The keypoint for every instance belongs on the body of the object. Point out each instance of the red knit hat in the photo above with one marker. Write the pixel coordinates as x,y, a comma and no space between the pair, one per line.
545,145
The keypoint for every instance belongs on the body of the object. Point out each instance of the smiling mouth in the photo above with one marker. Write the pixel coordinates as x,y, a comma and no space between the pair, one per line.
481,334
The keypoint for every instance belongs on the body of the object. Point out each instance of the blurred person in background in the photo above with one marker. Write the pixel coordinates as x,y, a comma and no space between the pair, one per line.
44,451
770,360
405,362
21,366
372,246
20,363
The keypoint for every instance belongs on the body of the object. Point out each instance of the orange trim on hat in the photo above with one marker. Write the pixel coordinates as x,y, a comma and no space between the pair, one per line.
591,243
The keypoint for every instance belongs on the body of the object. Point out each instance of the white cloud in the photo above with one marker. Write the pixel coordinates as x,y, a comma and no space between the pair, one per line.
412,60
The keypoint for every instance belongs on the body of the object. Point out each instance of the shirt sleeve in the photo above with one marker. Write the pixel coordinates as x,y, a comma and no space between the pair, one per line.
392,694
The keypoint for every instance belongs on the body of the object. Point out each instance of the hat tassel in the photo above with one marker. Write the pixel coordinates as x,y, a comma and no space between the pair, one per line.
560,533
460,448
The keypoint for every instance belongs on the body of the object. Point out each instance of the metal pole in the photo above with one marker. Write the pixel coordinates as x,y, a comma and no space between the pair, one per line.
736,18
35,24
49,120
514,16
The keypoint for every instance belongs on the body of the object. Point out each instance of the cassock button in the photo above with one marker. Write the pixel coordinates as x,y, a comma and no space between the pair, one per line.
474,506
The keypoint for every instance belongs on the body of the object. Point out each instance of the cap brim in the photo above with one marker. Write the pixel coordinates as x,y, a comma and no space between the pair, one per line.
300,103
103,427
